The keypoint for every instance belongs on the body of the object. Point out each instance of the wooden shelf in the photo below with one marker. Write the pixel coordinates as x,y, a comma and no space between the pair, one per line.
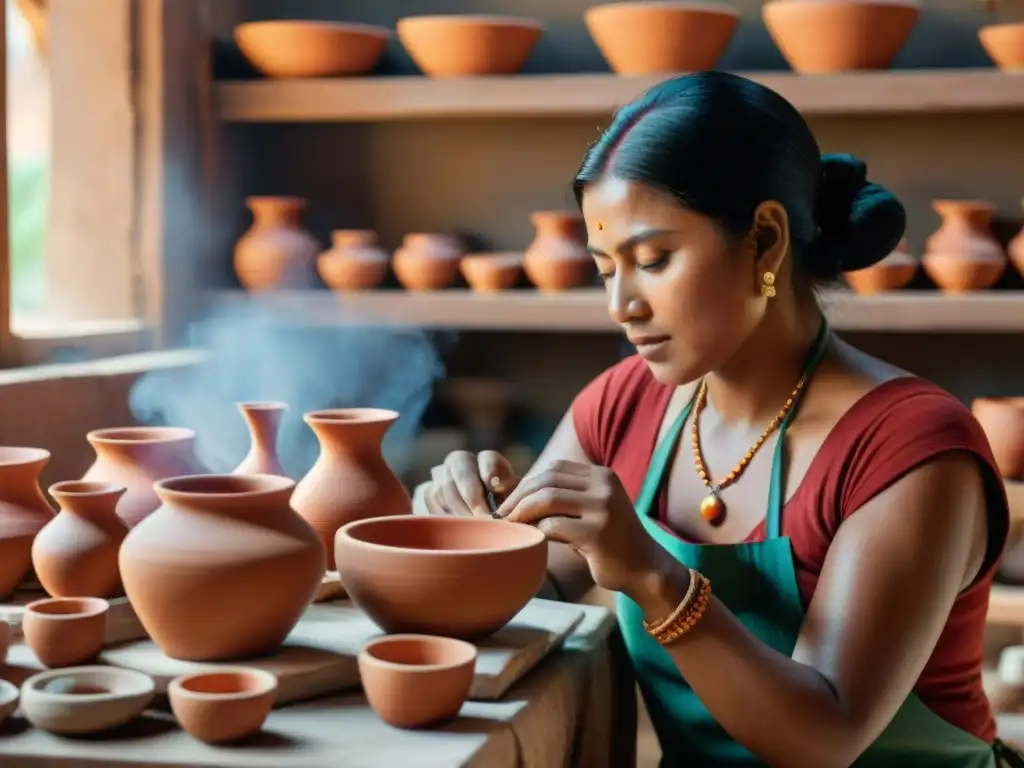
373,99
585,310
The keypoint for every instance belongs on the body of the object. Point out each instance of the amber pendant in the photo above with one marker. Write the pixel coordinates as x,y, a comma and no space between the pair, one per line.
712,509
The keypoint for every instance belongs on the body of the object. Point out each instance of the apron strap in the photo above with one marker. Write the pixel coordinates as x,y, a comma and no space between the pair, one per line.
1007,756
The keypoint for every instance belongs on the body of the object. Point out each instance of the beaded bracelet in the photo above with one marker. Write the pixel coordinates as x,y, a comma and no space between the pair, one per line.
686,615
654,627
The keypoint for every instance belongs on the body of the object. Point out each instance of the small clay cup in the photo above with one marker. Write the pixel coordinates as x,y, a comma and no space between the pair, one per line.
491,272
9,697
412,681
223,706
83,700
65,631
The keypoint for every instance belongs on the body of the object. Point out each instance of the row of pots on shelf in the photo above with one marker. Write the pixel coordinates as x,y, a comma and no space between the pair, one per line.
634,37
277,253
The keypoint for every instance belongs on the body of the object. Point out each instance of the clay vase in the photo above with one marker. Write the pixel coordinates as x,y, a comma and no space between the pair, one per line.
75,554
276,252
136,457
427,262
1002,419
557,259
890,274
354,263
1015,249
350,480
963,255
225,553
263,420
23,512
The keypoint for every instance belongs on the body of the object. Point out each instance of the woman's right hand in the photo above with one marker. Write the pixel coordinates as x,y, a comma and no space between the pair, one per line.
459,486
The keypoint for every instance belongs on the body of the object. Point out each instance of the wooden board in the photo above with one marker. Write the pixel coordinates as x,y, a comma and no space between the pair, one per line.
319,657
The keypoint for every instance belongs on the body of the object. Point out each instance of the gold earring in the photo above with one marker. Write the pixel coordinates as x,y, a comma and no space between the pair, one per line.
600,226
768,285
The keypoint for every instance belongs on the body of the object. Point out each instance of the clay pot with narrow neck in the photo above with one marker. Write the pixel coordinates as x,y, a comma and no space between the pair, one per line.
963,254
263,420
276,252
890,274
1016,249
427,262
226,553
355,261
136,457
557,259
23,511
350,480
75,554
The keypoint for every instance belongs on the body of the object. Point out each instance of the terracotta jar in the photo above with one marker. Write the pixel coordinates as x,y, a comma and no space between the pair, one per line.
491,272
355,261
263,419
23,511
890,274
557,259
427,262
350,480
1002,418
1016,249
136,457
75,554
963,255
276,251
225,553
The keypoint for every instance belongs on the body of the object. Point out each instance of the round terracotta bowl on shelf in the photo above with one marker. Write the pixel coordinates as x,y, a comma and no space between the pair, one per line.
458,577
415,680
1002,419
827,36
650,37
224,706
65,631
1004,43
465,45
284,48
491,272
893,272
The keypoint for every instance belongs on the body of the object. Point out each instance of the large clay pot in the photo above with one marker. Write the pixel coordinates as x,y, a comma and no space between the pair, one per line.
427,262
1015,249
136,457
1002,419
963,255
890,274
224,569
355,261
23,511
276,251
557,258
75,554
263,419
350,480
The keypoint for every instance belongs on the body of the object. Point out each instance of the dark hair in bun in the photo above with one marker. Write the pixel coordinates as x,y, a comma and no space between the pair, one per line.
721,145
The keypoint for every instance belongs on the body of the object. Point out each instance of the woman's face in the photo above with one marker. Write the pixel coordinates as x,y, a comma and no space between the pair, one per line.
684,294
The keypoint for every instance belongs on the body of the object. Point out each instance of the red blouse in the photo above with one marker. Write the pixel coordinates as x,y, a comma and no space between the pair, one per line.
896,427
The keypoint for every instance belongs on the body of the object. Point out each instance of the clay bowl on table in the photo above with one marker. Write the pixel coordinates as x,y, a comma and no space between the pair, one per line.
824,36
81,700
223,706
890,274
464,45
1004,43
491,272
1002,419
649,37
311,48
457,577
9,697
413,681
65,631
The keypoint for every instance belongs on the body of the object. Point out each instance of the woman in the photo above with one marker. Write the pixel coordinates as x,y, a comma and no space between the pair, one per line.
842,621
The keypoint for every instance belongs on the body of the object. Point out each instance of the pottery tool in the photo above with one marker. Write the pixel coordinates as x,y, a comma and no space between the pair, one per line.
492,503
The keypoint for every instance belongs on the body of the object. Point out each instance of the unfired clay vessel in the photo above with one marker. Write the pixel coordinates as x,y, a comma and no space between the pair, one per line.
75,554
491,272
350,480
65,631
136,457
963,255
295,48
427,262
355,262
413,681
1004,43
557,259
1002,418
890,274
404,572
223,706
23,511
263,419
226,553
1015,249
85,700
276,252
464,45
642,38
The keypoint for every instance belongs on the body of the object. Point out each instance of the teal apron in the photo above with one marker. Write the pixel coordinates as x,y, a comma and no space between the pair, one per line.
757,581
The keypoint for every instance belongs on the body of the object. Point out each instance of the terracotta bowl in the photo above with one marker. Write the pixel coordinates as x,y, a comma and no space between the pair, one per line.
650,37
451,576
311,48
415,680
9,697
457,46
491,272
1004,43
81,700
223,706
65,631
890,274
1002,419
823,36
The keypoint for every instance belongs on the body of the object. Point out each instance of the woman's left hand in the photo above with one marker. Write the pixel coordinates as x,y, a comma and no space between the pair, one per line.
586,507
